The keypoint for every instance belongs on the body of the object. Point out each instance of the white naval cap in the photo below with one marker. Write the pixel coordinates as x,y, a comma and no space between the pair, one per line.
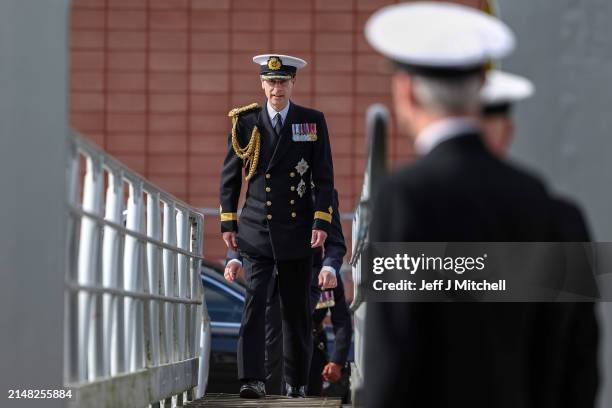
438,38
276,66
502,88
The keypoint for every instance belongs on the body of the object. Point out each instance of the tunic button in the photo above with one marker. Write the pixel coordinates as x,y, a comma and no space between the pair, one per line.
269,216
268,175
293,215
292,188
268,203
292,201
268,189
292,174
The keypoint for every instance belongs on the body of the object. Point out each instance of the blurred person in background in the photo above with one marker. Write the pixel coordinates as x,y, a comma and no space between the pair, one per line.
325,365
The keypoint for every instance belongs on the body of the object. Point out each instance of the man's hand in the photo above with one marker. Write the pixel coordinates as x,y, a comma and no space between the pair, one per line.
231,271
327,279
318,238
332,372
230,240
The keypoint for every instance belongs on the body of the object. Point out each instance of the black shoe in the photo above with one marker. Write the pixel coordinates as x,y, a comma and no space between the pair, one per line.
253,389
296,392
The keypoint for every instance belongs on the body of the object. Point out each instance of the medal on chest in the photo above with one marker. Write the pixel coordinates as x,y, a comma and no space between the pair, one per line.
304,132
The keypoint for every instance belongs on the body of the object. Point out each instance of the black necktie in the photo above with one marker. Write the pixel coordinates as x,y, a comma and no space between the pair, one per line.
279,124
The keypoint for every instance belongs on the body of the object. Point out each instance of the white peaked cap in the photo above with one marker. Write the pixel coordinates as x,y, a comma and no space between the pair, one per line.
438,35
278,66
504,87
285,59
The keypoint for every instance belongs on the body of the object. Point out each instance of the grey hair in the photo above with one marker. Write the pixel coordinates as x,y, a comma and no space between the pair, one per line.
448,95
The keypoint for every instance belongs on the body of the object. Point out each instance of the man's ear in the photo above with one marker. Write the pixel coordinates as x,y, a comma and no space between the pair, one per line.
401,87
262,85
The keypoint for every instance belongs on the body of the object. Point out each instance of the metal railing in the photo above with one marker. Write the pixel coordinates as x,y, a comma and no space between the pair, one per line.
136,324
376,126
376,133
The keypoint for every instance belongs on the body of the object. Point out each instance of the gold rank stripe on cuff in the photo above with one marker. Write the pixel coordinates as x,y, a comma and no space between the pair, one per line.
322,215
229,217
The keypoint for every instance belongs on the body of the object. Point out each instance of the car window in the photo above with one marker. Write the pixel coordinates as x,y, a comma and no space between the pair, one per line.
222,307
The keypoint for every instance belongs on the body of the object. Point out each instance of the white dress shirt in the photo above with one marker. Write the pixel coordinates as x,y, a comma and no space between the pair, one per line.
272,113
443,130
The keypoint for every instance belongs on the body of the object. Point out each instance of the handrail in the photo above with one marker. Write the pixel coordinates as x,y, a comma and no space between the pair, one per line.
135,317
376,124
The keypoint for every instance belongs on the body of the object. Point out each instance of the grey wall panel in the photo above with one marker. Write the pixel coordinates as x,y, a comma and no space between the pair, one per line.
33,130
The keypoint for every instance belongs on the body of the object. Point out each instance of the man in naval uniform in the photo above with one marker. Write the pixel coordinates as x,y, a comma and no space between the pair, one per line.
282,147
326,264
463,354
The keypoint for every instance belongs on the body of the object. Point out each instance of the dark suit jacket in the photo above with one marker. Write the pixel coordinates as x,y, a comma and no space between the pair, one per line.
279,214
574,227
335,248
474,354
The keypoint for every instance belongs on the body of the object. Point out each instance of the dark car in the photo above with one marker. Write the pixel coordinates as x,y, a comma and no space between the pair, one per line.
225,301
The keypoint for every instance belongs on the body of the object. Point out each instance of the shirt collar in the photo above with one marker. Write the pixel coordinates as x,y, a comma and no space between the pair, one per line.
272,113
443,130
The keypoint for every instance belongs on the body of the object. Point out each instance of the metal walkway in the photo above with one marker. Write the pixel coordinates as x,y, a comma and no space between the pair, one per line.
227,400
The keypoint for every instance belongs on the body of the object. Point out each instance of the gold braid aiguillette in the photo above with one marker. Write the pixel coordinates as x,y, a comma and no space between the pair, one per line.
250,153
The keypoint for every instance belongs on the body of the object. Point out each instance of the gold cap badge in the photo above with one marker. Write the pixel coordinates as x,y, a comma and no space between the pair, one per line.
274,63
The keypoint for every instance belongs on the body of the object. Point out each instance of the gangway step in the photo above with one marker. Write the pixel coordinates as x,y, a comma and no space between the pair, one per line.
232,400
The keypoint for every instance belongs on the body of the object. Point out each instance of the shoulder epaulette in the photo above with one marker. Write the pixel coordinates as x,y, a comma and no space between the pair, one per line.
237,111
250,153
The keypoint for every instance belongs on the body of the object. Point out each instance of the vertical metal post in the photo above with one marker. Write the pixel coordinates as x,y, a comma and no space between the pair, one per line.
153,263
132,278
88,266
195,284
110,271
71,304
169,266
182,221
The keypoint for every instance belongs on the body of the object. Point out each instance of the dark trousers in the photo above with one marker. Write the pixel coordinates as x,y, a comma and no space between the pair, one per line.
293,282
318,362
274,333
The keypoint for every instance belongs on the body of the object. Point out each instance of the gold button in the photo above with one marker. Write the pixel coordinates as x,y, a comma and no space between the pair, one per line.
267,175
268,189
292,201
293,214
269,216
268,203
292,174
292,188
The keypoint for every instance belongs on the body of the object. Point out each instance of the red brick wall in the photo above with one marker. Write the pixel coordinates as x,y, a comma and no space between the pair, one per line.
152,82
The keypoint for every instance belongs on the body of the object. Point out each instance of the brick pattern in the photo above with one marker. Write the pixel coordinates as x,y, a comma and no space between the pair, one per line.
152,81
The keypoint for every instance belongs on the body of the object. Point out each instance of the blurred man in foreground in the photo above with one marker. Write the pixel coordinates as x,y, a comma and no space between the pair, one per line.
464,354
